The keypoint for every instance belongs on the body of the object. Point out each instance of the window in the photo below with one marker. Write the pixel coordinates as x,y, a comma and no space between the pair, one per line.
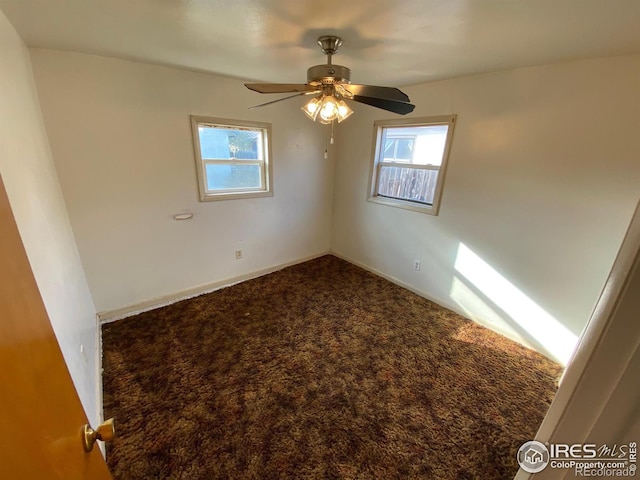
233,158
409,162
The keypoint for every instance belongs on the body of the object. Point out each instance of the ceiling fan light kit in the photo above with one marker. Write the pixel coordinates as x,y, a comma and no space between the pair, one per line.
327,108
331,85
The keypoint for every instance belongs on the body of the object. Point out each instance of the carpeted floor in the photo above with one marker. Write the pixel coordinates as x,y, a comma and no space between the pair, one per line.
319,371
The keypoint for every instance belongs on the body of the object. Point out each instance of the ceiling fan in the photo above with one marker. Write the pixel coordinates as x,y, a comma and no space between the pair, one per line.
330,84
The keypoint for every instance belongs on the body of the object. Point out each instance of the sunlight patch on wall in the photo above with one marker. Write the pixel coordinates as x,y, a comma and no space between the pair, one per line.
477,310
524,313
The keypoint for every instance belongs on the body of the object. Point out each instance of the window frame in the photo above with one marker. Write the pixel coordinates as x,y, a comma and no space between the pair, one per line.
266,164
377,163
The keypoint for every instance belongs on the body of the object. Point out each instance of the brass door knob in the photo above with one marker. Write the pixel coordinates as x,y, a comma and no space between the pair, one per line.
105,432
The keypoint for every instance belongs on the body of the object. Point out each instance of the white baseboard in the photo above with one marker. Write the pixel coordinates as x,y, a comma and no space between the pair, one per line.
134,309
400,283
453,308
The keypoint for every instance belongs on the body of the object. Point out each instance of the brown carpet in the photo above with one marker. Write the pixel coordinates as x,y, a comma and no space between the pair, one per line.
319,371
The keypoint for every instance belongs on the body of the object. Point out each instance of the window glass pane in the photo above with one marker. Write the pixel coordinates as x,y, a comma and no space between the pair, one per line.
226,143
405,148
223,177
414,184
398,149
389,149
421,145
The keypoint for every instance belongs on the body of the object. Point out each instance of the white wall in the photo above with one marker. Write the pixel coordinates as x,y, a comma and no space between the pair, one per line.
542,181
121,141
38,207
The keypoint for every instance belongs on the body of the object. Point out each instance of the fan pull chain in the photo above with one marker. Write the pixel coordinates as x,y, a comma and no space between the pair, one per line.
326,150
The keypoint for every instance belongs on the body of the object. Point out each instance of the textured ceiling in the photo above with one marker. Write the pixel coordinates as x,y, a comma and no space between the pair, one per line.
394,43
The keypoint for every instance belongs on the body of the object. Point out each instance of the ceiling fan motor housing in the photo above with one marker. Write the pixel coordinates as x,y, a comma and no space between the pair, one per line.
328,74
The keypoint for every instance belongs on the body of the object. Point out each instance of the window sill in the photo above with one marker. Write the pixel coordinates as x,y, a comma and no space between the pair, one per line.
213,197
405,204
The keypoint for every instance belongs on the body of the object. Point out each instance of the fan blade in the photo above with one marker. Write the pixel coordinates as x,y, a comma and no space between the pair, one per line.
281,99
372,91
280,87
392,106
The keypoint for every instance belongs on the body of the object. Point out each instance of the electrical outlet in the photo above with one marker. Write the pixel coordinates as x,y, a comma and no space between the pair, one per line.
238,254
416,265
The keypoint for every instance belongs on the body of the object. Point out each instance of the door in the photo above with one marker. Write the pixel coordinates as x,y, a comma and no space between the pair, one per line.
40,412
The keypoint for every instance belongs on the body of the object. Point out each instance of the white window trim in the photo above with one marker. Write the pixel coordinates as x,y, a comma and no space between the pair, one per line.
375,165
266,172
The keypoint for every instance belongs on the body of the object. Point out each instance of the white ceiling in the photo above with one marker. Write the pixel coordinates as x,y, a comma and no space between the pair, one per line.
386,42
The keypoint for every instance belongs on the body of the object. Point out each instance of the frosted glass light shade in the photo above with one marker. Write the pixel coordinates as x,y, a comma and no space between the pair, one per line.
311,108
326,109
344,111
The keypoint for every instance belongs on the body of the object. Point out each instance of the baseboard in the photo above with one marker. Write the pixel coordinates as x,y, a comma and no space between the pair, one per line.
443,304
398,282
134,309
